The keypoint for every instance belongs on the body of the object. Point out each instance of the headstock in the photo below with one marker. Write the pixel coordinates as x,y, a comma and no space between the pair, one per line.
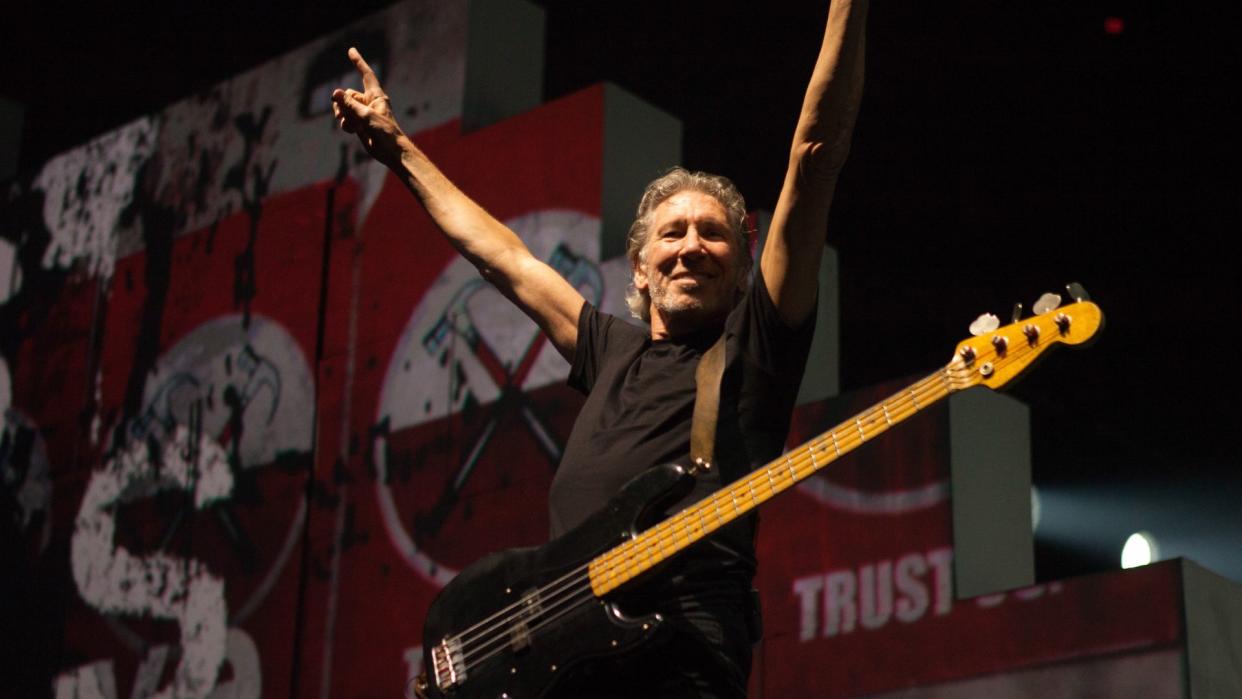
997,355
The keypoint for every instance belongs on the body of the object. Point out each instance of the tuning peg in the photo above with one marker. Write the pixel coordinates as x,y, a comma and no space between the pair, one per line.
1076,292
1017,313
1046,303
985,323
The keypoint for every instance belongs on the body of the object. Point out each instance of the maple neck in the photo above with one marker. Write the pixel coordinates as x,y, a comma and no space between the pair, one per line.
628,560
989,359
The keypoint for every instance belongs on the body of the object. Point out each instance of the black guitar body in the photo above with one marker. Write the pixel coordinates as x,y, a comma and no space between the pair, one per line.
499,650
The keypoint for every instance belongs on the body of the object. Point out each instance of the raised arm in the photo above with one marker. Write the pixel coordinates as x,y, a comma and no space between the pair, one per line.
821,143
497,252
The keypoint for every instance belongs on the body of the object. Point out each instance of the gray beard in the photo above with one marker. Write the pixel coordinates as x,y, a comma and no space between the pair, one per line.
661,301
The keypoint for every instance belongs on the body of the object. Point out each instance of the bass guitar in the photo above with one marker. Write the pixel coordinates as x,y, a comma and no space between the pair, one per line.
512,624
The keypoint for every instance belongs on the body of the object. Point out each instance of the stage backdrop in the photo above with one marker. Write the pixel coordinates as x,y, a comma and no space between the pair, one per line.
257,412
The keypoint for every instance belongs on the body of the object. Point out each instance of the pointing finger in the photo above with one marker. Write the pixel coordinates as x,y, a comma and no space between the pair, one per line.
370,83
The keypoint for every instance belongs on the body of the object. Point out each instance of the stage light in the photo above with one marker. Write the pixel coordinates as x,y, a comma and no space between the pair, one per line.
1140,549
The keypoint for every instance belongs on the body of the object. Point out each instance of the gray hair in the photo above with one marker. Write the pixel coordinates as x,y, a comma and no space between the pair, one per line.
662,188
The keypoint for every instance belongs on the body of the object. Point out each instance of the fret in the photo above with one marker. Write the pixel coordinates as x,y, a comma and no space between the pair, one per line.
632,557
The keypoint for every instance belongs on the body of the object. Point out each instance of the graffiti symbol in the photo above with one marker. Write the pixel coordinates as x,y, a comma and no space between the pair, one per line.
115,581
456,322
482,355
222,403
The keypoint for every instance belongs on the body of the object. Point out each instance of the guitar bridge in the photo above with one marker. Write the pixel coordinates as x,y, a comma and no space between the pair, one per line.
448,664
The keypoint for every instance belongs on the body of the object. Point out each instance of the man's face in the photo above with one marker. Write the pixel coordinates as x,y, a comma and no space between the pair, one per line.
689,264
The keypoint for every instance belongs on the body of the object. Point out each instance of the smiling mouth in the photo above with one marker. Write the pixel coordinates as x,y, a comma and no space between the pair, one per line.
691,276
689,282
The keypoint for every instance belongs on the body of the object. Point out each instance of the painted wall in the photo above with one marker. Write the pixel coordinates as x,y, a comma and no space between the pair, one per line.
257,412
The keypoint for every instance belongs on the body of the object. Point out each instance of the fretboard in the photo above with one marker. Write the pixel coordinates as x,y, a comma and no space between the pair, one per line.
628,560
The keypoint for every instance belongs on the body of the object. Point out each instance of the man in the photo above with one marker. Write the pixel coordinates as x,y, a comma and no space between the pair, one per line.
691,282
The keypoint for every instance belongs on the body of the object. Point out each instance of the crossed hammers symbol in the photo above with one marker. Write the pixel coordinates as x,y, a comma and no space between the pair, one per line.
456,322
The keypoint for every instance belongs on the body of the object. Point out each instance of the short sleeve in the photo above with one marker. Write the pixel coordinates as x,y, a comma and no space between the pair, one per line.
601,338
585,367
771,343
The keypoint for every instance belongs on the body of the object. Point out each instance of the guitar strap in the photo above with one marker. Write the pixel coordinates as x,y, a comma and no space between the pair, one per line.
706,406
703,440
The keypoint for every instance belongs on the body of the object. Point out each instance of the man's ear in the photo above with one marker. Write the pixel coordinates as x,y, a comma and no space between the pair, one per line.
640,277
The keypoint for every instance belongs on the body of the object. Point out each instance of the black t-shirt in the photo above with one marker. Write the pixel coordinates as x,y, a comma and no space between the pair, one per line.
640,399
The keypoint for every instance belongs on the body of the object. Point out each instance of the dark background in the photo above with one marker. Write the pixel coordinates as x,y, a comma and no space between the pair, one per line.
1003,150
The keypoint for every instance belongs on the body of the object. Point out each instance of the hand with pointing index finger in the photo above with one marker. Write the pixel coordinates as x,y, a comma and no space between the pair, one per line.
368,114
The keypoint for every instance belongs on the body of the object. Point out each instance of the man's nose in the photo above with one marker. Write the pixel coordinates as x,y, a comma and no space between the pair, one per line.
691,243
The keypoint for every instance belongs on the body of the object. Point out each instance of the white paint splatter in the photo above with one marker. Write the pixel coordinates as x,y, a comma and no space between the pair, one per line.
10,271
425,45
114,581
94,681
243,655
85,191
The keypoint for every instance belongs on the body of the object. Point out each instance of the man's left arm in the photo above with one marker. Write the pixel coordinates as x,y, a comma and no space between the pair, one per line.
821,143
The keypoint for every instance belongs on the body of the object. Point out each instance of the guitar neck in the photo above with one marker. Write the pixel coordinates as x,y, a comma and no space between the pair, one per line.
626,561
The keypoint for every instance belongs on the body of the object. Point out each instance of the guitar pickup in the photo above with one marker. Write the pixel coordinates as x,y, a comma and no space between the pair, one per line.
529,607
519,636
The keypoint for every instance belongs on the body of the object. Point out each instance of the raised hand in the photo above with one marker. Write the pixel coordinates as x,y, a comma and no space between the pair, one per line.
368,115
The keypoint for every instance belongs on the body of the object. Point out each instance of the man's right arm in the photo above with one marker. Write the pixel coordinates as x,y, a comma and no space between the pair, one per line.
495,250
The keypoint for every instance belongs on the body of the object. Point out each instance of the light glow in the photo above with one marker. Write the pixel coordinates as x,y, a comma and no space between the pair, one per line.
1140,549
1036,508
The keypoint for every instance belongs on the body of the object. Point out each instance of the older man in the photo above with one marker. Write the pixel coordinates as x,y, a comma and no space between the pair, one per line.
691,282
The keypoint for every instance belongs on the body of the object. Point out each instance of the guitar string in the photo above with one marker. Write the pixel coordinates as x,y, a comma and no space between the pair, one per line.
548,593
584,594
955,375
517,606
497,641
899,402
655,538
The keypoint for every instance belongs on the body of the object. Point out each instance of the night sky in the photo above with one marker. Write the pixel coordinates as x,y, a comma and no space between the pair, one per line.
1003,150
